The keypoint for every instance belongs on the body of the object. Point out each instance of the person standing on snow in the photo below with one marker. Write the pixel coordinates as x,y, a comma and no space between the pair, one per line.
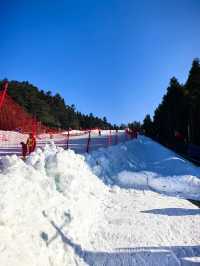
31,143
24,150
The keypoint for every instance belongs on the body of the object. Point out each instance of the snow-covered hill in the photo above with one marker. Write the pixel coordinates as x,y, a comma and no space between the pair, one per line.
59,208
144,164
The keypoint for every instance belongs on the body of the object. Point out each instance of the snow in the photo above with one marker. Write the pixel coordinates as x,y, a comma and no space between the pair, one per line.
61,208
49,185
144,164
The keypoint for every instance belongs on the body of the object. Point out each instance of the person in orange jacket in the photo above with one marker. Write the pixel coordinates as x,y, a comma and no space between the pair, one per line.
31,143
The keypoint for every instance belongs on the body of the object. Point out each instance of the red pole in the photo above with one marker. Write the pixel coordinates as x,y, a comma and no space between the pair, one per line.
5,87
68,140
109,139
34,126
88,142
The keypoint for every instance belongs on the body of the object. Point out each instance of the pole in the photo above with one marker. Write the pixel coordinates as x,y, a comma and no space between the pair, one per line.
88,142
5,87
126,135
68,140
109,138
34,126
116,137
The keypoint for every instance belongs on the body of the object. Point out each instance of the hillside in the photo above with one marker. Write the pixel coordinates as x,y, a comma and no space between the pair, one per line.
50,109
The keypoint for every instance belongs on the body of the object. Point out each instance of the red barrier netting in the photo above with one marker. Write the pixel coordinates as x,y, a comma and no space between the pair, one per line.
16,123
14,118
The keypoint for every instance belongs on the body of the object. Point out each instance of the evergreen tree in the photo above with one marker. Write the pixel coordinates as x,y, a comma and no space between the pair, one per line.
148,126
193,99
179,110
171,114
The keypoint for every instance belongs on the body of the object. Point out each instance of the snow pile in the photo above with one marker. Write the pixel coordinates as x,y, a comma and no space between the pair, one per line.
53,190
144,164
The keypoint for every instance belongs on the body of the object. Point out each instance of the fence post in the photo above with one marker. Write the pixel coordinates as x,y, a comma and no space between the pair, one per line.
68,140
88,142
109,138
108,142
116,137
126,135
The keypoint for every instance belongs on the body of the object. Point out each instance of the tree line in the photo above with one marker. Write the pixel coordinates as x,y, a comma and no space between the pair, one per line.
52,110
179,112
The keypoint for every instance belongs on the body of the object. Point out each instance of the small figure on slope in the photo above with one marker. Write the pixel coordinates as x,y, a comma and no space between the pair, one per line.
24,150
31,143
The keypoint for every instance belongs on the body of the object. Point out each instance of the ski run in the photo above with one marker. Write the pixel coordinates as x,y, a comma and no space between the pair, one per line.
124,205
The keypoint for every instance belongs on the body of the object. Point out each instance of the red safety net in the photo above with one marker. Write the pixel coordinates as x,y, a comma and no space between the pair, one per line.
13,117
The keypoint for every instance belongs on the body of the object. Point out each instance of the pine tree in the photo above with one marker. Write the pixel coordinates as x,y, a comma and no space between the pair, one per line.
193,98
148,126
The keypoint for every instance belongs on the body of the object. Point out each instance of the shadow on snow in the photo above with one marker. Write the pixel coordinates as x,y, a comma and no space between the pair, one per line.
154,256
174,211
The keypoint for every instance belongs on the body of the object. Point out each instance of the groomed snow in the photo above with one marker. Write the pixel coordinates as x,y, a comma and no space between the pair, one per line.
144,164
59,208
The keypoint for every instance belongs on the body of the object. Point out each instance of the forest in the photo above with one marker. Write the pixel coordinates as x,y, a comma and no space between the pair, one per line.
177,117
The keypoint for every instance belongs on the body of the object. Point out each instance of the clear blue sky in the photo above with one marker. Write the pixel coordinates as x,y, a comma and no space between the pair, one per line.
108,57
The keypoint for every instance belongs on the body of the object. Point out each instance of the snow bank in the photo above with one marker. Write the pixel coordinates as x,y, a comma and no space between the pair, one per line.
53,189
144,164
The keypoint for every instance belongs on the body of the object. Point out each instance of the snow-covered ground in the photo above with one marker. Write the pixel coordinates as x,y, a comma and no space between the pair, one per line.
111,207
144,164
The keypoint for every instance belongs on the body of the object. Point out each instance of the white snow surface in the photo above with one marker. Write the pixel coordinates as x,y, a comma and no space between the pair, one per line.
59,208
144,164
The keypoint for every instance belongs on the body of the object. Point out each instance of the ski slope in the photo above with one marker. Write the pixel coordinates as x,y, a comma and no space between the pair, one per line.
123,205
10,140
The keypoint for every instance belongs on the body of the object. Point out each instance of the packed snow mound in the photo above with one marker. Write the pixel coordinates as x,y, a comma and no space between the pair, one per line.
145,164
54,189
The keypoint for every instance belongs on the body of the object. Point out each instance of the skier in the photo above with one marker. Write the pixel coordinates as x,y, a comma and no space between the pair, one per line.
31,143
24,150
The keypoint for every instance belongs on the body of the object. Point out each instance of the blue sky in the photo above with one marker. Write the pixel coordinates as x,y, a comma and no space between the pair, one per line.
108,57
